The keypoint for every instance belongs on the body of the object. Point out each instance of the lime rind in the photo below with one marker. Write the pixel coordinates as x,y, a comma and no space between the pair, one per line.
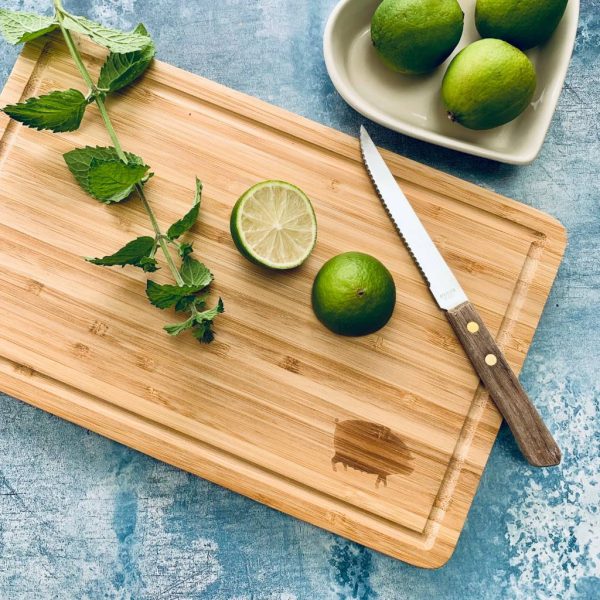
274,224
353,294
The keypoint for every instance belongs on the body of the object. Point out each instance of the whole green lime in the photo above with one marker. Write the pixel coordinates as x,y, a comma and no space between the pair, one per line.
415,36
487,84
353,294
523,23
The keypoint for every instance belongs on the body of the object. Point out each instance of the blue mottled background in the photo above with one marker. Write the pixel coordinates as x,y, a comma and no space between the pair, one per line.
83,517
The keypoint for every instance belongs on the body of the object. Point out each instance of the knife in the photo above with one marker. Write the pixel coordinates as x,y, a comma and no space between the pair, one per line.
532,435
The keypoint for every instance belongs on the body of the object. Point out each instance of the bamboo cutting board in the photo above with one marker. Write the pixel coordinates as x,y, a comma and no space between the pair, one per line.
381,439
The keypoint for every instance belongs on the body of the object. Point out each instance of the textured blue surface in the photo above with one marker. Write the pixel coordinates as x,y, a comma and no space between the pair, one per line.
83,517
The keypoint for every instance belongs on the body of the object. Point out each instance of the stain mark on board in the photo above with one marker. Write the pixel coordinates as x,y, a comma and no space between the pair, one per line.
290,364
145,362
370,448
99,328
81,350
376,342
24,370
35,287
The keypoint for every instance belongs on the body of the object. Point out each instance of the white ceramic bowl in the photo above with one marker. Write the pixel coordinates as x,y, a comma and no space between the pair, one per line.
412,104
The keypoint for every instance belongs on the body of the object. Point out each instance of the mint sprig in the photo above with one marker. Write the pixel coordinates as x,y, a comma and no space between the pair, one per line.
191,296
109,174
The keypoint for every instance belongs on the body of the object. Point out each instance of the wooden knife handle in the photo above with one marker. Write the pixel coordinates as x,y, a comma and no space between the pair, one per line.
534,439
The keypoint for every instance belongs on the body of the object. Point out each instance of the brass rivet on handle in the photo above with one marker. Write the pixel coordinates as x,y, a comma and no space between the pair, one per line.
491,360
472,327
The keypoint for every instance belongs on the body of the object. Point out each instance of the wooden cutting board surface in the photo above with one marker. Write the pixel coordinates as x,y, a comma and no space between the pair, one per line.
381,439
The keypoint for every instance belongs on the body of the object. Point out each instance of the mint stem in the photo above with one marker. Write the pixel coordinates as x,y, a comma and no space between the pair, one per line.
72,48
159,236
99,100
109,127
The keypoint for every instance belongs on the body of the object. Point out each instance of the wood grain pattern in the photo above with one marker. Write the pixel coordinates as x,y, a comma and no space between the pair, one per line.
532,435
277,402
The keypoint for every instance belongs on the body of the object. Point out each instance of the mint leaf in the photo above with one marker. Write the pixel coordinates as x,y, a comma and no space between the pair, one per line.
183,304
166,295
113,39
185,249
112,181
21,27
148,264
134,253
80,160
120,70
186,302
203,331
57,111
195,273
209,315
141,29
200,323
186,222
177,328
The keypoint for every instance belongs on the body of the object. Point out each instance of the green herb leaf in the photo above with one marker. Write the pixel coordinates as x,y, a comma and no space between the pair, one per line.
134,253
186,302
57,111
166,295
185,249
80,160
203,331
113,181
209,315
21,27
177,328
113,39
183,304
141,29
193,272
149,264
120,70
185,223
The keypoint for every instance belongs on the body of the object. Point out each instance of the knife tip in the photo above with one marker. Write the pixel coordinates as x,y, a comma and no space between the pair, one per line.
364,137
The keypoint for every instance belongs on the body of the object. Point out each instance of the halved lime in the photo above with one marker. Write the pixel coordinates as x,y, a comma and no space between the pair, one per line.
273,224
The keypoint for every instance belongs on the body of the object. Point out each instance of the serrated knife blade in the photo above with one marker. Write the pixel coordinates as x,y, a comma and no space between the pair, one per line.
441,280
490,364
